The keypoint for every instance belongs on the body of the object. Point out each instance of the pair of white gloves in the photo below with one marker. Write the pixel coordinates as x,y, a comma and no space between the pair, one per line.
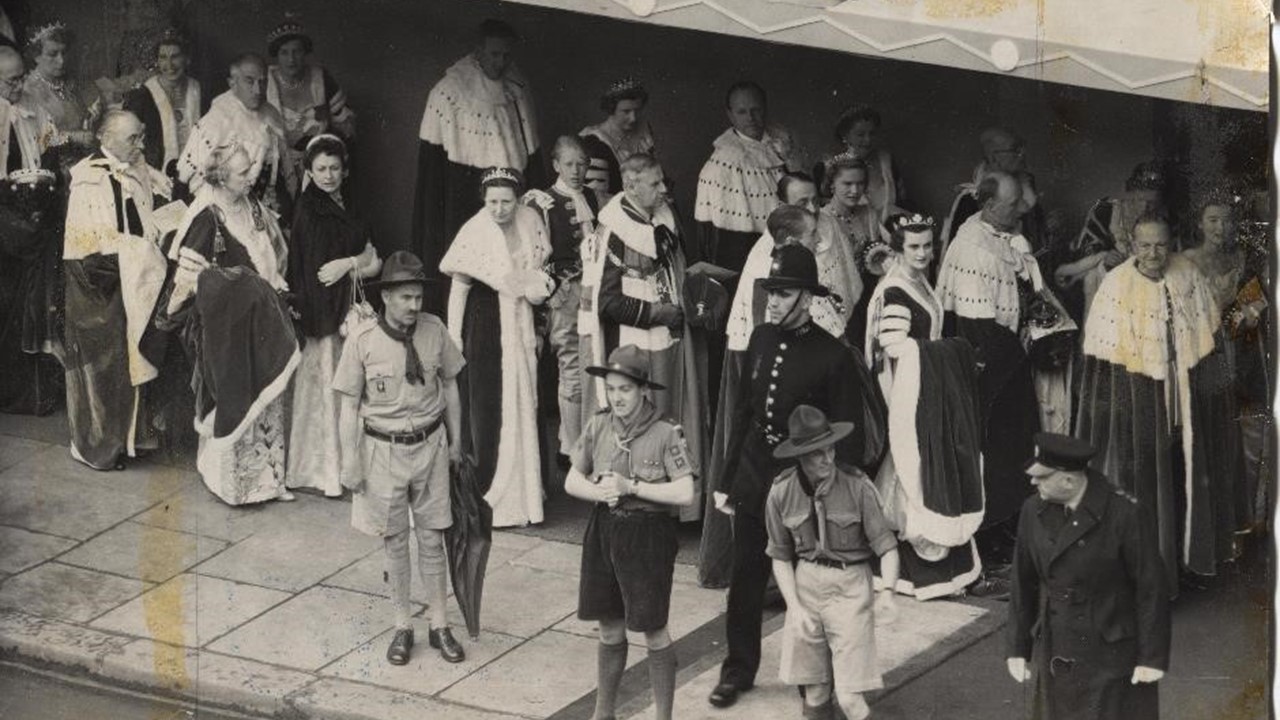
1141,674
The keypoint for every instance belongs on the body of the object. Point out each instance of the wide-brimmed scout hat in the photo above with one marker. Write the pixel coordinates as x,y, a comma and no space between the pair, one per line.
399,268
794,267
630,361
1056,452
809,430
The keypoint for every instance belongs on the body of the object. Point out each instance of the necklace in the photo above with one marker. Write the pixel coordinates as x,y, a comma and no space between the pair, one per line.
59,88
287,83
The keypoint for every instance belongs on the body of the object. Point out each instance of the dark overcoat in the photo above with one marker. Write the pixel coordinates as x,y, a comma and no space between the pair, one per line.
1089,604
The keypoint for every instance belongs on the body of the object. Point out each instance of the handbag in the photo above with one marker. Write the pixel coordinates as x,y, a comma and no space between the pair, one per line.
360,312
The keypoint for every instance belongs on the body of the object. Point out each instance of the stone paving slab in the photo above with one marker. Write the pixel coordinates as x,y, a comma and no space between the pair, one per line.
22,549
64,592
51,493
191,610
14,450
210,677
523,601
291,555
558,557
143,551
193,509
337,699
426,673
311,630
537,678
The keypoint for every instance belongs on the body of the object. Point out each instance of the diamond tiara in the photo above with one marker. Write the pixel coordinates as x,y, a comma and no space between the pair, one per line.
44,31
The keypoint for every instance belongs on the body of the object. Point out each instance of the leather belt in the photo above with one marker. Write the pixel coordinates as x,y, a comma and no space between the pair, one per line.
412,438
828,562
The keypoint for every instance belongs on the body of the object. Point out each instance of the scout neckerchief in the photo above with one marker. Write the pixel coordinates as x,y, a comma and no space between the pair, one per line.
412,365
817,498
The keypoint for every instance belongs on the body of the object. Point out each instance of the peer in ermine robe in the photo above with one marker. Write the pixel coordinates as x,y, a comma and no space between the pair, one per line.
1149,401
480,115
114,273
987,273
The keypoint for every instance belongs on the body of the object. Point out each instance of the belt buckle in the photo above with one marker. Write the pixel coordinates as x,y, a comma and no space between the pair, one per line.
1068,664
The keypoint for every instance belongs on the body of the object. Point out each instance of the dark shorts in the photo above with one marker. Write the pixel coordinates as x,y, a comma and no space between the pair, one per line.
627,564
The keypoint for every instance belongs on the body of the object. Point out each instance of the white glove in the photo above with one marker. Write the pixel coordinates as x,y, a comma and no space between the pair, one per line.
722,502
541,198
1144,674
1018,669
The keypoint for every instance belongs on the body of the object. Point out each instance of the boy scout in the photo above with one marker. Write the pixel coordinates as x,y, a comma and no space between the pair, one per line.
396,381
825,524
635,466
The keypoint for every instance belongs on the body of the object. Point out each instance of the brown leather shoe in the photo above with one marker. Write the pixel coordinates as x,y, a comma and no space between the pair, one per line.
450,649
401,644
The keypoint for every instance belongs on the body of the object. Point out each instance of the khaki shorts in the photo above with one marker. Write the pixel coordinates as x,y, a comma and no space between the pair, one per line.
403,480
843,650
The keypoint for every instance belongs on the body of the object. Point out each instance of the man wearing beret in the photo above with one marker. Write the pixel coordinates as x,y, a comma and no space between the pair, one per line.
1090,605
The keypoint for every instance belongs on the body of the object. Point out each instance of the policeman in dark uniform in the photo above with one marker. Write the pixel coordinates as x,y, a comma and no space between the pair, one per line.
635,466
790,361
1089,603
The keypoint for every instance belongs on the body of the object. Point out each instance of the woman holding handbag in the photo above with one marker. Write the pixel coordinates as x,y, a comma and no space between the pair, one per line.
329,252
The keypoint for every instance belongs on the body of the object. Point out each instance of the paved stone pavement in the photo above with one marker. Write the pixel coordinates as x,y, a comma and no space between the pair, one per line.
144,578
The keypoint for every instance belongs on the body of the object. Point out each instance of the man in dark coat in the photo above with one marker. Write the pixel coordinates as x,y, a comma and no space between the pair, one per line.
1090,605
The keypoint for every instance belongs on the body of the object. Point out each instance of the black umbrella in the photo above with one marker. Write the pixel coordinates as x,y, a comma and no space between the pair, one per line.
467,541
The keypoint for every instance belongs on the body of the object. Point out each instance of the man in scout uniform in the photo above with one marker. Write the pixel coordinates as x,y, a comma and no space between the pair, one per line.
636,467
1090,604
789,361
825,524
396,380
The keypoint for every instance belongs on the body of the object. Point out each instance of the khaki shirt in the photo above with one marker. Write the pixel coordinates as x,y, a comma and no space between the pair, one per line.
372,368
855,524
658,455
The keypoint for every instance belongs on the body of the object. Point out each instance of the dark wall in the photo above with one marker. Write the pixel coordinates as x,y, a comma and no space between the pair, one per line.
388,53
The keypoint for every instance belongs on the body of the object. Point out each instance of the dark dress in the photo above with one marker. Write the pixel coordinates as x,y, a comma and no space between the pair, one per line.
938,508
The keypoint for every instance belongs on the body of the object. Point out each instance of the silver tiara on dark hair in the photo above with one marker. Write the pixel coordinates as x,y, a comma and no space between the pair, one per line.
625,85
915,221
292,25
45,31
498,174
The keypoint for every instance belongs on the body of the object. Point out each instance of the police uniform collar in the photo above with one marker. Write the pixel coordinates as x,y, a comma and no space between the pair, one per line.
804,329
